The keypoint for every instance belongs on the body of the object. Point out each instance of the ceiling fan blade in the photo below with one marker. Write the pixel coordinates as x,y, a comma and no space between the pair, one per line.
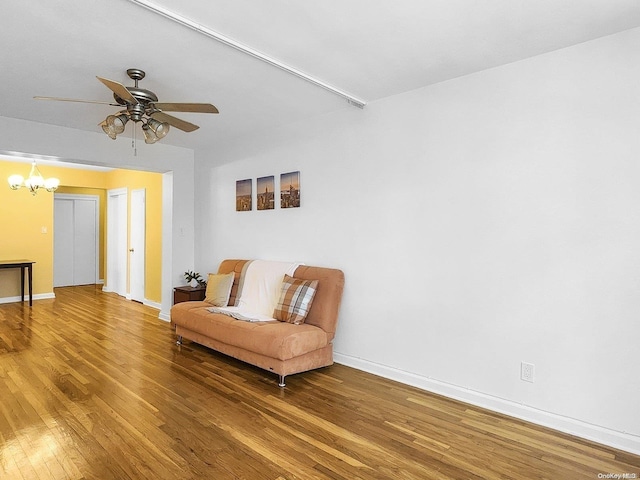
186,107
120,90
175,122
58,99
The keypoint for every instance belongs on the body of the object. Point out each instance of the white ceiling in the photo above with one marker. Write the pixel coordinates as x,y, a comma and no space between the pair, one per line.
370,49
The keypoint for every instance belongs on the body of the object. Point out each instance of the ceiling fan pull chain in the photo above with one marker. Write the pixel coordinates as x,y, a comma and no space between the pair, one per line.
134,144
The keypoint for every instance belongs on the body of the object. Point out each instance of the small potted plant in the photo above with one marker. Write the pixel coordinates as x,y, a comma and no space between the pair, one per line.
194,277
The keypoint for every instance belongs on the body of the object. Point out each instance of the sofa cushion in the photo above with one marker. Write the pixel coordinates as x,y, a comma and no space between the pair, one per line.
273,339
296,296
236,267
218,289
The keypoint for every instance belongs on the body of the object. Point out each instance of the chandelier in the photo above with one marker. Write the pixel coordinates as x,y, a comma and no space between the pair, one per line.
34,182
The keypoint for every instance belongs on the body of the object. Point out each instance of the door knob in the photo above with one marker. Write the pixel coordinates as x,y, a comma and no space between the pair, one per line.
131,250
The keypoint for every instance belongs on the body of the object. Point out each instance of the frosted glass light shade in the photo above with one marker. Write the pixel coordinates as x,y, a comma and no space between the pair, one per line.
109,130
15,181
160,129
34,181
116,123
51,184
149,135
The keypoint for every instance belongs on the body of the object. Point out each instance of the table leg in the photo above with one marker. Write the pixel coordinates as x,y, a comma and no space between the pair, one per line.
30,287
22,283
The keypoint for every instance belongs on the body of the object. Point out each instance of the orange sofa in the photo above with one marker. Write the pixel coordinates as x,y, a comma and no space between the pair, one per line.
279,347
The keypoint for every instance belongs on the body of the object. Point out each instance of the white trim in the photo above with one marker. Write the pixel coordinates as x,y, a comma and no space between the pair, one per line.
134,232
620,440
207,32
50,160
167,245
152,304
113,242
165,317
17,299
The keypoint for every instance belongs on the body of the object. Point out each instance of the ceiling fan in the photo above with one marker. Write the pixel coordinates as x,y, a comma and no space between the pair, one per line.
142,105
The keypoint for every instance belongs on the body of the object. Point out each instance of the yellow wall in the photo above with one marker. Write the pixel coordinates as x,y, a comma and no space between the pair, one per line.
24,216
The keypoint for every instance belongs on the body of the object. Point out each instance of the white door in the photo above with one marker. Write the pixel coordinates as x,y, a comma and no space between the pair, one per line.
62,239
116,274
76,240
137,245
84,242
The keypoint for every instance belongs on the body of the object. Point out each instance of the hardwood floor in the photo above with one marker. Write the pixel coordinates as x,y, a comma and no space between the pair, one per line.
93,387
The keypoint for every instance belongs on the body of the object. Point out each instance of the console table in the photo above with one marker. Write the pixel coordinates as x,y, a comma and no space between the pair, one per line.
22,265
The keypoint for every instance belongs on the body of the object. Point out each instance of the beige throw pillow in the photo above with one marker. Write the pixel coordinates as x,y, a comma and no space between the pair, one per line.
218,289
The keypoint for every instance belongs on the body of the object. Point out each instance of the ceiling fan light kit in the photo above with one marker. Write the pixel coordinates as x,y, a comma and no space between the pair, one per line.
114,125
154,130
142,106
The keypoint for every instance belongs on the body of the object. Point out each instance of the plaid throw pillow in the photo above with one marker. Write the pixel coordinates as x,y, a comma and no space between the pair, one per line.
296,296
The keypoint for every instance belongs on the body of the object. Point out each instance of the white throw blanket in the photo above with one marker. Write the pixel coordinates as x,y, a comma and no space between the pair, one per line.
260,291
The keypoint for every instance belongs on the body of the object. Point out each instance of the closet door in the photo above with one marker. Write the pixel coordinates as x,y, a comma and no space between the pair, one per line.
75,244
62,240
84,242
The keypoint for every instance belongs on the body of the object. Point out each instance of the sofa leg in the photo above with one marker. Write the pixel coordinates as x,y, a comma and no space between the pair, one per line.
179,340
281,381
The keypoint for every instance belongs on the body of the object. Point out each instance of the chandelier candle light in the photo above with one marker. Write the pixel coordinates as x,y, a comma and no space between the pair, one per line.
34,182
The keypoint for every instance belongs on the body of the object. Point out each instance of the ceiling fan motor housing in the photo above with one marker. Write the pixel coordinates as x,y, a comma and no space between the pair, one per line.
143,96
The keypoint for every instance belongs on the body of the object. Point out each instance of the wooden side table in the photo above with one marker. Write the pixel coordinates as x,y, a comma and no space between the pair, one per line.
22,265
188,293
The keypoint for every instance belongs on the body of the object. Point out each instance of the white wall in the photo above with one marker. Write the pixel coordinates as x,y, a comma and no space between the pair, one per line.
97,149
480,222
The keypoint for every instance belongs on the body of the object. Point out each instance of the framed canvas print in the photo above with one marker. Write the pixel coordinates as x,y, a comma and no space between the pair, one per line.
266,193
290,190
243,195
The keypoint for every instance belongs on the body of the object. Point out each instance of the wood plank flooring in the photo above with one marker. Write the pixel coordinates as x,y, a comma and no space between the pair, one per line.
92,386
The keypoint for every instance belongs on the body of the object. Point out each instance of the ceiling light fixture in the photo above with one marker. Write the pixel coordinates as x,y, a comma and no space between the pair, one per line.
356,102
140,111
153,129
34,182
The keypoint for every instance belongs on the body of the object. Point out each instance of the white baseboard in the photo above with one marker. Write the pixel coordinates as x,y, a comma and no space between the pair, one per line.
152,304
620,440
165,316
38,296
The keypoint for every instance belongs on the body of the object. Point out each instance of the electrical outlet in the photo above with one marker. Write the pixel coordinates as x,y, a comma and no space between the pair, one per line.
527,372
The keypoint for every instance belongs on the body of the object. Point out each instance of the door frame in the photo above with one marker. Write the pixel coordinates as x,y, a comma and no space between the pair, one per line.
138,194
79,196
